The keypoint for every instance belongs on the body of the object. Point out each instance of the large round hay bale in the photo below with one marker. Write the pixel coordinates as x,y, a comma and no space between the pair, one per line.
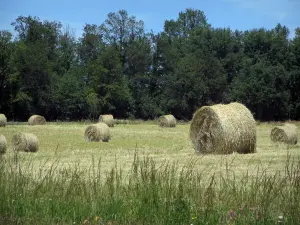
286,133
223,129
291,125
36,120
3,120
3,144
97,132
26,142
167,121
107,119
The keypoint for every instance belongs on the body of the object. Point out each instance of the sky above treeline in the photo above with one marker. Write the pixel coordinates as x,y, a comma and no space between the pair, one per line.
236,14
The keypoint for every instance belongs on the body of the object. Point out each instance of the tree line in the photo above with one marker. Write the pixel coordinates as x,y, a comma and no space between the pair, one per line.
116,67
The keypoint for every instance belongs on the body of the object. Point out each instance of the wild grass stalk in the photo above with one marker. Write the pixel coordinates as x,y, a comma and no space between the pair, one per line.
148,194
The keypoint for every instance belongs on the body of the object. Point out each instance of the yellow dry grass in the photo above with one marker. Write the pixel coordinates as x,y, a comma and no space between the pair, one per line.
223,129
36,120
3,120
26,142
97,132
167,121
63,144
286,133
108,119
3,144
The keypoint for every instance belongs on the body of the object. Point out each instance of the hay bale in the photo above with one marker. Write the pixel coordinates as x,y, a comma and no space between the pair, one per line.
97,132
223,129
3,144
108,119
36,120
167,121
286,133
291,125
26,142
3,120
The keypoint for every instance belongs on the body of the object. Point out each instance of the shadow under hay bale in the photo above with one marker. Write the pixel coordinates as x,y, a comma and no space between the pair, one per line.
223,129
167,121
3,120
108,119
36,120
97,132
3,144
286,133
26,142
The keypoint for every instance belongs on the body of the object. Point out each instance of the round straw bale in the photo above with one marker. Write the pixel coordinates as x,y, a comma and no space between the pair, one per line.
291,125
223,129
3,120
3,144
167,121
286,133
97,132
108,119
36,120
26,142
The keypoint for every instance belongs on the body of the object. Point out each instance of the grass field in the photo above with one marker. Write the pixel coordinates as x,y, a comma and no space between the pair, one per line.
145,175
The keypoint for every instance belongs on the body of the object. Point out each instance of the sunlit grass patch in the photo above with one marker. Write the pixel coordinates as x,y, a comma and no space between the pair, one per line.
145,175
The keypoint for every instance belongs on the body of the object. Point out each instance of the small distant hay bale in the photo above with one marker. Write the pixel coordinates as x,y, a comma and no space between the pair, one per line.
36,120
286,133
97,132
26,142
3,120
108,119
167,121
223,129
3,144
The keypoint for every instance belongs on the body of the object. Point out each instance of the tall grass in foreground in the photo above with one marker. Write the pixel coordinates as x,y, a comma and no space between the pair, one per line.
148,194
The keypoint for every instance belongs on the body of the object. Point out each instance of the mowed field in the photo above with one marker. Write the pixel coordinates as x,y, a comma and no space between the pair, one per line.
63,144
145,175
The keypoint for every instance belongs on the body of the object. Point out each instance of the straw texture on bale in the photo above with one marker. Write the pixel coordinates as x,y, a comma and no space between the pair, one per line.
3,144
287,133
3,120
290,125
223,129
36,120
97,132
167,121
26,142
107,119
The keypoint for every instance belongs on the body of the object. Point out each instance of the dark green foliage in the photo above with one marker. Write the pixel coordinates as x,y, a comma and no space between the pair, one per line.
263,88
294,85
68,97
117,68
263,82
6,51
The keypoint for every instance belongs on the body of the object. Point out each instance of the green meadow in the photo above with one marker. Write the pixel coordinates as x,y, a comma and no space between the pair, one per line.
145,175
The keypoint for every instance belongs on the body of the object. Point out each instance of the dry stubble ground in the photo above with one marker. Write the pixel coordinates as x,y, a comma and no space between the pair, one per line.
63,145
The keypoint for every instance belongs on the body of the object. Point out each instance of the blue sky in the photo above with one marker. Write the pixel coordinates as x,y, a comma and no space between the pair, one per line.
236,14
